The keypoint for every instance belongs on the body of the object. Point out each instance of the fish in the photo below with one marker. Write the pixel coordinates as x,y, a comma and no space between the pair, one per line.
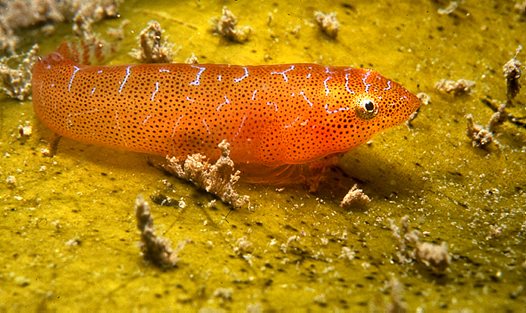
273,116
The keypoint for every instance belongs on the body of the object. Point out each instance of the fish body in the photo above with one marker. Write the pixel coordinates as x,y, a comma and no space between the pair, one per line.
272,115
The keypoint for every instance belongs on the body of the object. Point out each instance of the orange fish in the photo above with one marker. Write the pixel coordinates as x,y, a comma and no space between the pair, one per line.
272,115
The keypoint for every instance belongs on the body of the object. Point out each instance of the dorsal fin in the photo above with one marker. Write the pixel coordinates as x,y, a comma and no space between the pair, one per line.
84,52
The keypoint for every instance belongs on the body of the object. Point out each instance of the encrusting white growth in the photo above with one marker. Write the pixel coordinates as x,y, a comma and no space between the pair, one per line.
154,248
355,198
218,178
153,49
327,23
17,81
226,27
455,87
411,248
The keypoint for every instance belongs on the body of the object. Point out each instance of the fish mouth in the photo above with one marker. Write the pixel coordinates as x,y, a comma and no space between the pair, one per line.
411,106
402,110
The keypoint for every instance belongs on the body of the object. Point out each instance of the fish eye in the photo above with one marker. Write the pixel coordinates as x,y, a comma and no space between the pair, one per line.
366,109
368,106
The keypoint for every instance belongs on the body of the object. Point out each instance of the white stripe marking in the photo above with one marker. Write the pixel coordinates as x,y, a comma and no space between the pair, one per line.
284,73
365,77
347,84
306,99
275,105
146,119
240,126
335,111
128,72
197,79
245,75
176,125
224,103
388,86
206,126
293,122
155,91
75,70
326,85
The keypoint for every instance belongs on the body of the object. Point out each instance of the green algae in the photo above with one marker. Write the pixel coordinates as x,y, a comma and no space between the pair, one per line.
68,237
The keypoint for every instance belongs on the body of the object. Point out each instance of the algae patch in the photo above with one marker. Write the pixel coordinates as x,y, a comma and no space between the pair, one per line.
68,231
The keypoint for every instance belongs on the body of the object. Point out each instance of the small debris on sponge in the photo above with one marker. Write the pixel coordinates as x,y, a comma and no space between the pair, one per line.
433,255
11,181
521,8
424,98
482,137
226,26
25,131
512,72
154,248
328,23
192,59
479,135
455,87
153,49
411,248
452,6
355,198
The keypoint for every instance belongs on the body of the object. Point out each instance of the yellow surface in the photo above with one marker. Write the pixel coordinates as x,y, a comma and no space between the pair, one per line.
68,237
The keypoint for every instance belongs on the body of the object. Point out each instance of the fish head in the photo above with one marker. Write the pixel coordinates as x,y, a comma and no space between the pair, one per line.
381,103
